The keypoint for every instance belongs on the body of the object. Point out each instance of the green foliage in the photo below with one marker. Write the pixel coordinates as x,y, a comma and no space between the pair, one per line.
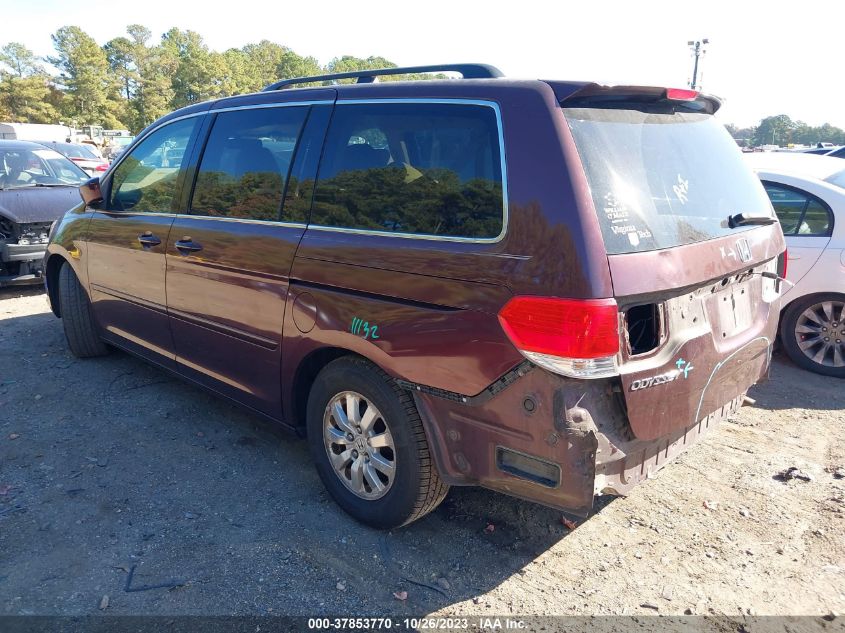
26,94
782,130
131,80
91,91
431,201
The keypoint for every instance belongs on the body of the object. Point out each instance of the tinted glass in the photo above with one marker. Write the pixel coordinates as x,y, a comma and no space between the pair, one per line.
148,179
816,220
246,163
789,207
432,169
800,213
662,180
28,168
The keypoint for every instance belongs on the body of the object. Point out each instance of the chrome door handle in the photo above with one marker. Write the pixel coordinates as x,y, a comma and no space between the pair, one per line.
186,246
148,240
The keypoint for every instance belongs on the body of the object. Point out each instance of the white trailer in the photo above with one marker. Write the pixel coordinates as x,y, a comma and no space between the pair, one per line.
35,132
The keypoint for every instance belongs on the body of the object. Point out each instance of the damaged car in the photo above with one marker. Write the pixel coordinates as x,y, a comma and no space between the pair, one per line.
37,185
545,288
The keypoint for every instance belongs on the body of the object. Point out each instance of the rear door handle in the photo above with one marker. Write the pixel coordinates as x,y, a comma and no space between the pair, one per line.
148,240
186,245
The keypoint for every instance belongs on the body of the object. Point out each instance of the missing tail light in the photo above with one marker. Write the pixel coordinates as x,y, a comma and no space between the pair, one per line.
643,325
572,337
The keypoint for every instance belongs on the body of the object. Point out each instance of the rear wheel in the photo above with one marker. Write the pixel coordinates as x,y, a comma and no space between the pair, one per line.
368,443
813,333
77,318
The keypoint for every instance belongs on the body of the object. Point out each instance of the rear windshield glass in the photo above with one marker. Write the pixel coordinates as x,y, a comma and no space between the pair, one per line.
662,180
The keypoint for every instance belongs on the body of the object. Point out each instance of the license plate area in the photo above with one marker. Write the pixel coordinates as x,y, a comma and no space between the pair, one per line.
732,308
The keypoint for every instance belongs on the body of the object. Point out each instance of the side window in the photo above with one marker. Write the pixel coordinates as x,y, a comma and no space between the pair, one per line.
148,178
246,162
419,168
799,212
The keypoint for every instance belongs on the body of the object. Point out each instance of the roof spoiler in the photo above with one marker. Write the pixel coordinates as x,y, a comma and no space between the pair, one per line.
641,97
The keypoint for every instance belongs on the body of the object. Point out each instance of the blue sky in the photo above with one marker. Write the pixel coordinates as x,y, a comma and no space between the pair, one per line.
764,58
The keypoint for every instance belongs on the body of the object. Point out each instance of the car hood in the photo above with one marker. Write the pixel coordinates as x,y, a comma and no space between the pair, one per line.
37,204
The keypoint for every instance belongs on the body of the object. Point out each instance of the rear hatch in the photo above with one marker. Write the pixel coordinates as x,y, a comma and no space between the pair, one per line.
692,247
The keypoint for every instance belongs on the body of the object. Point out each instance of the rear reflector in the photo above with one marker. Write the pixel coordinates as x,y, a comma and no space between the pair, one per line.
528,467
574,337
681,94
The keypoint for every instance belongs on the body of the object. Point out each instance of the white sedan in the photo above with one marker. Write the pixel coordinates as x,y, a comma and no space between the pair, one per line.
808,195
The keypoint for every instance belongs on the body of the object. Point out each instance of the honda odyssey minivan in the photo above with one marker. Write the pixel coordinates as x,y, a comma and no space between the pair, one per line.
544,288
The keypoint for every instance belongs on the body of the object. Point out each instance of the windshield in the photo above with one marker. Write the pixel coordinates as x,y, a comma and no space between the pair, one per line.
662,180
76,151
30,168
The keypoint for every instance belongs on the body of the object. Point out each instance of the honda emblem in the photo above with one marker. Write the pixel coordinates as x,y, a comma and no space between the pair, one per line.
744,250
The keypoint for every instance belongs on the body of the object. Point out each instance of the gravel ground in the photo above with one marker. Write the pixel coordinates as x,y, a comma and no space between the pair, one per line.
110,465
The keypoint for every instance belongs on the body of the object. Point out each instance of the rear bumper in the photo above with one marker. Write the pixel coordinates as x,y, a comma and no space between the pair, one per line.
556,441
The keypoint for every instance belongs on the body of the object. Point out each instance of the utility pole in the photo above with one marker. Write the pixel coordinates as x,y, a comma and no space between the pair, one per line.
698,48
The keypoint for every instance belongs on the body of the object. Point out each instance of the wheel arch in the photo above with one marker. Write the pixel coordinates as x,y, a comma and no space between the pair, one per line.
304,376
51,273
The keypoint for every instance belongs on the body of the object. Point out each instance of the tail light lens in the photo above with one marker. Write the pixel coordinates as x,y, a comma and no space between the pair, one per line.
102,167
783,260
681,94
578,338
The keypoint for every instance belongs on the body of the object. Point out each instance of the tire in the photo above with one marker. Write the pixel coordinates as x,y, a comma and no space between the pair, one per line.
386,417
805,325
80,328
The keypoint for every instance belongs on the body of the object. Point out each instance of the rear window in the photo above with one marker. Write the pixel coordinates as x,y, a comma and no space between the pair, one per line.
660,180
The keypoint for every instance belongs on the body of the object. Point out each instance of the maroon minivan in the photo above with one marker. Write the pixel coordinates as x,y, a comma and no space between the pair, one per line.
544,288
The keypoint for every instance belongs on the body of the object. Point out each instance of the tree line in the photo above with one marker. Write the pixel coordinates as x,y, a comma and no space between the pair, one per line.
132,80
782,130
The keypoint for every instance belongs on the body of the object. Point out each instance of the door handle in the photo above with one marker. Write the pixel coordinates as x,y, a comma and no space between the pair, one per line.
148,240
186,246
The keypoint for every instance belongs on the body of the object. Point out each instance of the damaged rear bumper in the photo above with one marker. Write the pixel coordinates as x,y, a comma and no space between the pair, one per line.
553,440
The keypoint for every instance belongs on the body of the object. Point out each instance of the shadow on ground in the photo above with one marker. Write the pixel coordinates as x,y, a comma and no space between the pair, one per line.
813,391
109,464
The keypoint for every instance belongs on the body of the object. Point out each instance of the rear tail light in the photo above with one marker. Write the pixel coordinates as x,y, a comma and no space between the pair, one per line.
681,94
102,167
573,337
783,260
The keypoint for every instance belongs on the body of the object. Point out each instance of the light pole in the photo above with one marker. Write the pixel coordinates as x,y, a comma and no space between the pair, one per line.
698,48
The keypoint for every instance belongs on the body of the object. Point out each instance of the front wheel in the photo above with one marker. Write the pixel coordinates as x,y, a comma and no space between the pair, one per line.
813,333
369,446
77,317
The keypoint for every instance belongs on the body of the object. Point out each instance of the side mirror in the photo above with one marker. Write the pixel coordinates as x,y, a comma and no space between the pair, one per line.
90,192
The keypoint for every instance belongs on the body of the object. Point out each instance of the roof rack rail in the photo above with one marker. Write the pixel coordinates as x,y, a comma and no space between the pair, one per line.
467,71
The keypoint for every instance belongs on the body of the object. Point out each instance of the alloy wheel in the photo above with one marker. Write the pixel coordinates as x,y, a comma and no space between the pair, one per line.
359,445
820,333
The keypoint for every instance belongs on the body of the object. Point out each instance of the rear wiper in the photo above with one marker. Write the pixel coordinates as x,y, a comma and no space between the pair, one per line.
749,219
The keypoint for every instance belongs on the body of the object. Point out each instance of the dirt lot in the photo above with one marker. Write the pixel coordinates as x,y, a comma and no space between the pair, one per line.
110,464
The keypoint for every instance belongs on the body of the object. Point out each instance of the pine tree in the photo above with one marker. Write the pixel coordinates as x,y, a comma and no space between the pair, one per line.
25,90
